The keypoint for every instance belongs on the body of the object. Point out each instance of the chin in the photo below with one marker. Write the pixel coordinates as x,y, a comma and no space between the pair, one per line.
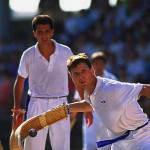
83,86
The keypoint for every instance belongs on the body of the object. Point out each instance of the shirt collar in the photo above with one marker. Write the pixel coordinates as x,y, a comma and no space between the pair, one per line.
56,52
38,54
87,97
97,85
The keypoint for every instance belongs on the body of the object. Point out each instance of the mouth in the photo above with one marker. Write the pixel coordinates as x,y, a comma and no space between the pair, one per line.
83,82
44,40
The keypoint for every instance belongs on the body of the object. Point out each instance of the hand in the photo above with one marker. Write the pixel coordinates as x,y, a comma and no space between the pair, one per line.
145,91
18,117
88,118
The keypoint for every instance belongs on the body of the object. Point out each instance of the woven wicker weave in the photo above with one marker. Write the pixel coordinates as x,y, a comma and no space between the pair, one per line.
13,141
1,147
39,122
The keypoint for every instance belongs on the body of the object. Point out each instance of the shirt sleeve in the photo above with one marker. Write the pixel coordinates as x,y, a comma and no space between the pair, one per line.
23,66
128,92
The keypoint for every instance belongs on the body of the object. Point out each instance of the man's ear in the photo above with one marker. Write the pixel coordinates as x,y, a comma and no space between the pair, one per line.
92,69
52,32
34,33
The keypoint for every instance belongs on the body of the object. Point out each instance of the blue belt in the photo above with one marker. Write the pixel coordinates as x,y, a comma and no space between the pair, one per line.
107,142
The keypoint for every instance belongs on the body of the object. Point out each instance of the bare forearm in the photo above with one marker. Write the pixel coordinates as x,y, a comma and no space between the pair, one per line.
17,92
81,106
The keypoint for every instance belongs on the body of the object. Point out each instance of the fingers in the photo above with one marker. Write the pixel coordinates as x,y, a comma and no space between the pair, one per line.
90,122
145,91
18,118
89,118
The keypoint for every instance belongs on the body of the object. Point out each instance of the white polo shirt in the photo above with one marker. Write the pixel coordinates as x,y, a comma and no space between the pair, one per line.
46,79
116,104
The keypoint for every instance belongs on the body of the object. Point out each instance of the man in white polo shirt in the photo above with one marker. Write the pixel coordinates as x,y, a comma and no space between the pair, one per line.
96,130
44,64
114,102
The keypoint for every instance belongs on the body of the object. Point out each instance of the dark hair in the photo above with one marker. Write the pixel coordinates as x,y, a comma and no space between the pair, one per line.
42,19
98,55
74,60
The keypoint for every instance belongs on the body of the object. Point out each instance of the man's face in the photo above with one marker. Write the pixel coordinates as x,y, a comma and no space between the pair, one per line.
43,33
99,66
81,75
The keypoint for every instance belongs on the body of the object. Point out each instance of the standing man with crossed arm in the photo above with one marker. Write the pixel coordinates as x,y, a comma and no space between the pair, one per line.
114,102
44,64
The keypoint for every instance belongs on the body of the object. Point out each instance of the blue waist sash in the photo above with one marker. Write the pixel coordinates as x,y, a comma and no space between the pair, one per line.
107,142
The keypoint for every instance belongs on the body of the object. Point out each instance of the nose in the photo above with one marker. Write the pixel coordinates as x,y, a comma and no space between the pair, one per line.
81,77
43,35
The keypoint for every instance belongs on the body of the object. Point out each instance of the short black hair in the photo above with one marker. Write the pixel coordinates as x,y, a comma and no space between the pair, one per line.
42,19
74,60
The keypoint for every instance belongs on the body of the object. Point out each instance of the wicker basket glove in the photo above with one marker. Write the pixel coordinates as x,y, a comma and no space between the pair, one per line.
39,122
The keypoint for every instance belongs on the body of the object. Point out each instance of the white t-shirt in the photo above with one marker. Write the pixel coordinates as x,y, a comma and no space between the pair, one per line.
46,79
116,104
